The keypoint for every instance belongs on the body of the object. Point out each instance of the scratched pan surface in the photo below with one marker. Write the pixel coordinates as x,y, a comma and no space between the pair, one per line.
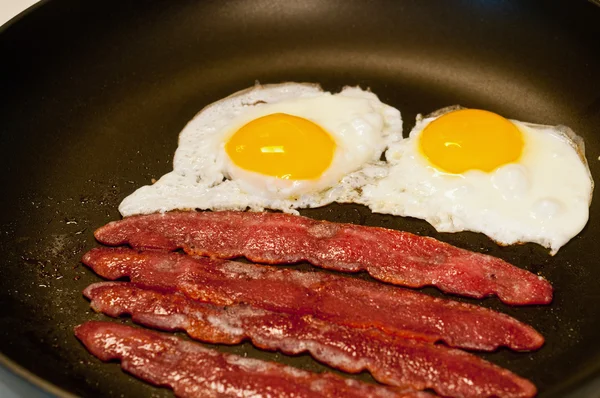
93,95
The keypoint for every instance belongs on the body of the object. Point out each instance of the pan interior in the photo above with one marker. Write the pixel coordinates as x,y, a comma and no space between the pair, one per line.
95,94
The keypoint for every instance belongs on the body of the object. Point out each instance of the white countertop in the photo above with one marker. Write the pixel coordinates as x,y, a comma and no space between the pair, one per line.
10,8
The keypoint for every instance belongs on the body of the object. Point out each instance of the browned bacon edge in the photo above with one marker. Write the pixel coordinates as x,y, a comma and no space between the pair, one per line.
392,256
391,360
340,299
194,371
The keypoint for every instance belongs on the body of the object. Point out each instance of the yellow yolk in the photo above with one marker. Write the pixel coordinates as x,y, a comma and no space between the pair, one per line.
283,146
471,139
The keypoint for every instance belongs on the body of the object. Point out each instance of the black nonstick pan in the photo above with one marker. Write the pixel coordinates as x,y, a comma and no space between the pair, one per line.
93,95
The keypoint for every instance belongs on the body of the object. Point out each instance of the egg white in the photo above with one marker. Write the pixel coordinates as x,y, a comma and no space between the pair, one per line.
544,197
204,177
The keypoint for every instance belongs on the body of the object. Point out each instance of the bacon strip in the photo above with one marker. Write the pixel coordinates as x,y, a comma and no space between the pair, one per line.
194,371
343,300
392,256
391,360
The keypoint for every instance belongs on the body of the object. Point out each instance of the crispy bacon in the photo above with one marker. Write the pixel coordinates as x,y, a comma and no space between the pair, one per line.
391,360
392,256
194,371
340,299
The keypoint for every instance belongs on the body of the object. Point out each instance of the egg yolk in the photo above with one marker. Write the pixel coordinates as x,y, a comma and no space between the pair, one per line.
283,146
470,139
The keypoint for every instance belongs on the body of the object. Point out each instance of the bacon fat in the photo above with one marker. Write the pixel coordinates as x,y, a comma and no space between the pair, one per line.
343,300
391,360
195,371
391,256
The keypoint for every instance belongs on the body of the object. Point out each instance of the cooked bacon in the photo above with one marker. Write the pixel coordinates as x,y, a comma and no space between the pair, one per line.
194,371
391,360
392,256
340,299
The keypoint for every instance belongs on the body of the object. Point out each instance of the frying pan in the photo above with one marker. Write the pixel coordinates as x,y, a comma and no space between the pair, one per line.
94,94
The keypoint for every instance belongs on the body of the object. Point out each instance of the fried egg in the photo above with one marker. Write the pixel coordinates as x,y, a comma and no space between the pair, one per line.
283,147
473,170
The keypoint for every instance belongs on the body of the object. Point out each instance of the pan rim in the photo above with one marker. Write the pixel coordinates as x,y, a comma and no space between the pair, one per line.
21,373
588,385
24,375
25,13
32,379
